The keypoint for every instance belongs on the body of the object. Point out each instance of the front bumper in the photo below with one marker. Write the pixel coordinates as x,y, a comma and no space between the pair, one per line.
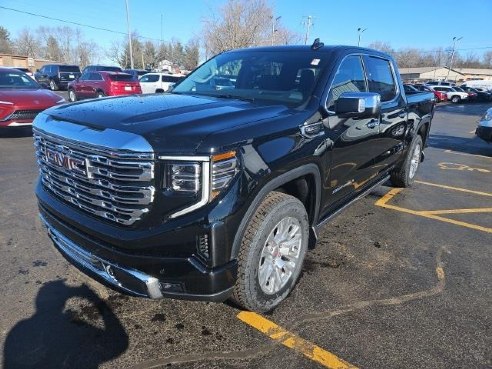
138,275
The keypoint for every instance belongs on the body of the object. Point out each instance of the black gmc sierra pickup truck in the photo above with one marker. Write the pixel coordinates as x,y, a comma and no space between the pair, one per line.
217,190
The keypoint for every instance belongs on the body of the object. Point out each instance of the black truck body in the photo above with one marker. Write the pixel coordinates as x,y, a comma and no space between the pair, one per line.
154,195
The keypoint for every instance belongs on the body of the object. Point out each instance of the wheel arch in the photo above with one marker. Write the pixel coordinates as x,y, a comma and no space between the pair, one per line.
299,183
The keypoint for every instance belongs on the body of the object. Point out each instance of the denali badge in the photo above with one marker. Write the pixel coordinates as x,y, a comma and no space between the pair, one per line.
65,161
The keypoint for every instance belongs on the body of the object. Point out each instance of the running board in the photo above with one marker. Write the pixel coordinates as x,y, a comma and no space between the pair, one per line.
317,228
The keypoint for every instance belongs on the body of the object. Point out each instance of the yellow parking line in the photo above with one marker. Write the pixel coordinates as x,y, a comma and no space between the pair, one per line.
466,154
458,211
455,188
290,340
431,214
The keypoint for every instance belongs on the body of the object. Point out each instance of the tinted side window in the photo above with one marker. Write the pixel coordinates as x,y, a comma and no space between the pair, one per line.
349,78
380,78
150,78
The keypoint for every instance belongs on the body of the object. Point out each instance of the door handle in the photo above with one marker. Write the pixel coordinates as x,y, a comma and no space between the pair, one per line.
372,123
402,115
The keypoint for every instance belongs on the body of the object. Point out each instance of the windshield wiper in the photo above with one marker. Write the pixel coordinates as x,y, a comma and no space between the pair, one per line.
230,96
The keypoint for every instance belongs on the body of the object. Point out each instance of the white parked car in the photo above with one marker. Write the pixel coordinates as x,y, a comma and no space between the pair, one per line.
158,82
452,94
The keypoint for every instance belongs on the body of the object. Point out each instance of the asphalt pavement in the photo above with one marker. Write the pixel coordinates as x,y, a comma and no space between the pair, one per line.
401,279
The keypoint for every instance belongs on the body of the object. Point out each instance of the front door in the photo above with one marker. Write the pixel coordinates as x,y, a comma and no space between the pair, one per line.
354,139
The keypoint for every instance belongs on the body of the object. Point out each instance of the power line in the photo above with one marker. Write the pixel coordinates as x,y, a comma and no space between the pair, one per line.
74,23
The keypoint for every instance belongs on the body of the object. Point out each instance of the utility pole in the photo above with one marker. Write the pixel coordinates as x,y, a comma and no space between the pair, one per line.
360,30
455,40
308,23
274,22
129,34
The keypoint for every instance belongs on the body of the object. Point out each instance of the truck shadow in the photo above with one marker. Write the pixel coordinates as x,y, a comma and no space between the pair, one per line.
56,337
473,146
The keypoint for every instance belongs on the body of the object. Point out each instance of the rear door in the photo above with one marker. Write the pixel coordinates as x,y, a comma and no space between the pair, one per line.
382,79
354,139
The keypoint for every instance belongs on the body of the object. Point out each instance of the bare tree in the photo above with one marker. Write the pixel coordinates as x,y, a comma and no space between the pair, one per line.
27,44
239,23
487,59
191,54
382,46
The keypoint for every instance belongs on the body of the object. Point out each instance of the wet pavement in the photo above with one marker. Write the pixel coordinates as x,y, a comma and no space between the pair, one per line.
400,279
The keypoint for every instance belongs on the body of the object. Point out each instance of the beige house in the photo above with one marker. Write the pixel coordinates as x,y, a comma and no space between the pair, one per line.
424,74
475,73
8,60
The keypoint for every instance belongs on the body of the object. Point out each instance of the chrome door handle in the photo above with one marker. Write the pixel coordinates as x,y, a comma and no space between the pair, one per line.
373,123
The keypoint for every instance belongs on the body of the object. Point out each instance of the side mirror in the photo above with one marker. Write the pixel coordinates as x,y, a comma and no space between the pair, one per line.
358,104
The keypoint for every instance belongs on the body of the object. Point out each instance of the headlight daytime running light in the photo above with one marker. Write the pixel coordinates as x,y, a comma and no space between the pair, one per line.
193,175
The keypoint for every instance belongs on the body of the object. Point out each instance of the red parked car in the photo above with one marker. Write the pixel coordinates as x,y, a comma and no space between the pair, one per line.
22,98
100,84
440,95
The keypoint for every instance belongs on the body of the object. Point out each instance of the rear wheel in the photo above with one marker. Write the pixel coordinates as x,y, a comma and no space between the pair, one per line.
405,176
53,85
272,252
455,99
71,95
100,94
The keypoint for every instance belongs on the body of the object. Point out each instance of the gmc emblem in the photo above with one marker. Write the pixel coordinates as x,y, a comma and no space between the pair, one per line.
65,161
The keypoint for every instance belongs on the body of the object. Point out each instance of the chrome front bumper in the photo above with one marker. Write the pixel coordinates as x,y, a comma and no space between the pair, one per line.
130,281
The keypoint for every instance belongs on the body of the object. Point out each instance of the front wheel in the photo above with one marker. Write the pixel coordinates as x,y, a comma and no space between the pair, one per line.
405,176
100,94
455,99
272,252
71,96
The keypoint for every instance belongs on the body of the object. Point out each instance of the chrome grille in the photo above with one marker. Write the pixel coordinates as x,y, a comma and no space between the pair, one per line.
114,185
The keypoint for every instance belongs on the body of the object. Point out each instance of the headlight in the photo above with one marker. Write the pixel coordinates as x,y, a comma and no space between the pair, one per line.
487,116
185,177
202,177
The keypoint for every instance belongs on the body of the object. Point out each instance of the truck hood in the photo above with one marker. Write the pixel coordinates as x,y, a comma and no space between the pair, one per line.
170,123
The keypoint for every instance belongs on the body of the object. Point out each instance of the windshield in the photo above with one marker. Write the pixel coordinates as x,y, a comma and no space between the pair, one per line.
17,79
276,76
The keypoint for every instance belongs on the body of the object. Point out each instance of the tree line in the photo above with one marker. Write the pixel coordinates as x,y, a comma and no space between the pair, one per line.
237,24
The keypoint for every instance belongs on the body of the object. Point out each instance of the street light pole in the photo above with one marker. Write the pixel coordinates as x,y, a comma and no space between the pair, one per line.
308,25
360,30
129,34
455,40
274,22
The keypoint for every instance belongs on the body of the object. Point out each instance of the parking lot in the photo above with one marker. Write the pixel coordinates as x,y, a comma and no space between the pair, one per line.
402,279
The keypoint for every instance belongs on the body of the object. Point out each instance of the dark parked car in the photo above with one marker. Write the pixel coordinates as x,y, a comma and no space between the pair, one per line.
136,73
104,68
22,98
484,128
99,84
57,76
481,94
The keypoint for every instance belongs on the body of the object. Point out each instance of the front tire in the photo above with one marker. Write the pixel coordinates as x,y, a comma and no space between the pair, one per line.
272,252
455,99
405,176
